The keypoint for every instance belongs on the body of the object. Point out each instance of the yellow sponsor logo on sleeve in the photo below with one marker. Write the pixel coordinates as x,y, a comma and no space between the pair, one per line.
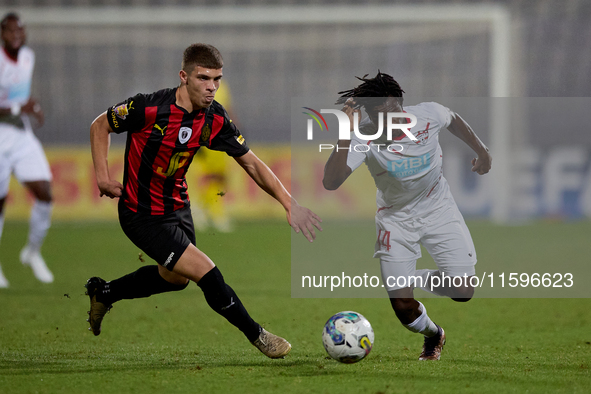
114,119
122,110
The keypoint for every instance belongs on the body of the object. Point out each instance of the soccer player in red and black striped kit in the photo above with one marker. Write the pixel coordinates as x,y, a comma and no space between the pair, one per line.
164,130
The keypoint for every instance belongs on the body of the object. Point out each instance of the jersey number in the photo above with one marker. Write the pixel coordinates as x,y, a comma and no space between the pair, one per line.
384,239
177,160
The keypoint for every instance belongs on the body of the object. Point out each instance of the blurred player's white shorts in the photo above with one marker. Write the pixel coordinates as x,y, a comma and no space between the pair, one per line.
21,154
444,235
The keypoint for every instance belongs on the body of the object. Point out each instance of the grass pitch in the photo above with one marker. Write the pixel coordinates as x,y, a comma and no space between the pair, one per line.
174,343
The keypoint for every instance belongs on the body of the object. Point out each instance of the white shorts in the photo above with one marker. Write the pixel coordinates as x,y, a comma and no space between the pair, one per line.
21,154
444,235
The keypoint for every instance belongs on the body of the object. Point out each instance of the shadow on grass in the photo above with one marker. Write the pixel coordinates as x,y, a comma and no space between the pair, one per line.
76,363
541,375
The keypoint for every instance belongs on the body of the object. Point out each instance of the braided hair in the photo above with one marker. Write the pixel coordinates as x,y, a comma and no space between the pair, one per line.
373,91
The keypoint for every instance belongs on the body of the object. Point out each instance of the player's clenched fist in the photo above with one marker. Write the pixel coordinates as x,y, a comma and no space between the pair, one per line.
482,164
110,188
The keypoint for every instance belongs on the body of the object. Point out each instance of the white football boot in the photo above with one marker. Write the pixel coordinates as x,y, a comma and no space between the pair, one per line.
3,281
34,260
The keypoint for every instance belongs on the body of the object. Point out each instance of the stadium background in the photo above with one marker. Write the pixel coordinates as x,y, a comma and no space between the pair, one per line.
174,342
85,64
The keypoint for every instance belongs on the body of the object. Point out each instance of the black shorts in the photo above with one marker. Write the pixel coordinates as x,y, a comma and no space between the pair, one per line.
162,237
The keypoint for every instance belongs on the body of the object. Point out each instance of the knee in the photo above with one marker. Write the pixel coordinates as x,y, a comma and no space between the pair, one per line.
45,195
41,190
182,286
463,294
180,282
176,285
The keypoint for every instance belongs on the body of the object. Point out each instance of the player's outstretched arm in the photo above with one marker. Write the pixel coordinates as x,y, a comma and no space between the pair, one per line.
100,140
300,218
458,127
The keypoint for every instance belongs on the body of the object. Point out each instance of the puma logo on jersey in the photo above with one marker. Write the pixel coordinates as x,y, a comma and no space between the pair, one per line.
161,128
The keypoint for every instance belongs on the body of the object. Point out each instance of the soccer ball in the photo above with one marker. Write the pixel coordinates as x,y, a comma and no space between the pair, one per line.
347,337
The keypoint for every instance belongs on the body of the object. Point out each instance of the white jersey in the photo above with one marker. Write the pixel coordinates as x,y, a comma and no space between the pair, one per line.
409,180
16,77
15,88
20,151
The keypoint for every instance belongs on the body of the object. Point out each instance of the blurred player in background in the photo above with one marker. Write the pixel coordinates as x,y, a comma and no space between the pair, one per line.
414,203
164,131
21,153
210,208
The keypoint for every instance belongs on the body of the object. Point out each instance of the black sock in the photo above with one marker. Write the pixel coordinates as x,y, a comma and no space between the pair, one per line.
139,284
222,299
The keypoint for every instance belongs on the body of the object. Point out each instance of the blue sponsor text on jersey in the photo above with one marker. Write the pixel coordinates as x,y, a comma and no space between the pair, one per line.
20,92
409,166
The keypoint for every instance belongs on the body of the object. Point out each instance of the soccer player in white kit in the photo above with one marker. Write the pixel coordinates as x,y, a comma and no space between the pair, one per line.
414,203
21,153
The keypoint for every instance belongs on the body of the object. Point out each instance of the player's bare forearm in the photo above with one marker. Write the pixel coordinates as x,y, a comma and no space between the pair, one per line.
336,170
483,162
33,109
300,218
99,145
265,178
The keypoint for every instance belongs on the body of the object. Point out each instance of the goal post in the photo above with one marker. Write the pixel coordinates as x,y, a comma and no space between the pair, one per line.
495,16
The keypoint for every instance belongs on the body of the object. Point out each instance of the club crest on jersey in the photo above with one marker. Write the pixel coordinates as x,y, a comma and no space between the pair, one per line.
423,135
121,111
205,133
185,134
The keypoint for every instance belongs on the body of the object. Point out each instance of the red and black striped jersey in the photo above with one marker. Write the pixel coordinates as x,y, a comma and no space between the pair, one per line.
162,139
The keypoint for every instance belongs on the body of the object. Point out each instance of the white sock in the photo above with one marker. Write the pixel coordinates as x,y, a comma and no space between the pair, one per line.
1,224
39,224
423,324
3,281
